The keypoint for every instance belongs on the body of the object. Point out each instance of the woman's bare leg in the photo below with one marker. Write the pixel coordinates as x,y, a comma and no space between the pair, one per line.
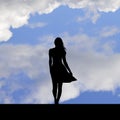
54,91
59,92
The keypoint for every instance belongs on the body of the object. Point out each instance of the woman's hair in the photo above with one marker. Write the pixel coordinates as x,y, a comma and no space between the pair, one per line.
59,43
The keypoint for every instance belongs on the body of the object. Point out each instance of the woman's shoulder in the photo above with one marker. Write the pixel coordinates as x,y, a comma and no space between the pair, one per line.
51,49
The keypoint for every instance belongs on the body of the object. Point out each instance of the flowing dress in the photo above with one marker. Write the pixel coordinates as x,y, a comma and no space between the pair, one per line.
59,73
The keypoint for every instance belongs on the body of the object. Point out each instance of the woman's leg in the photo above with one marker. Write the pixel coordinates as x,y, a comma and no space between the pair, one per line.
54,91
59,92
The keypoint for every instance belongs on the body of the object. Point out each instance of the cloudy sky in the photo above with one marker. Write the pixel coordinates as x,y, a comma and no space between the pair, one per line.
90,30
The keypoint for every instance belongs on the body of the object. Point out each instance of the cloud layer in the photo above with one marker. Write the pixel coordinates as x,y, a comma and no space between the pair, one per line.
24,71
15,14
24,75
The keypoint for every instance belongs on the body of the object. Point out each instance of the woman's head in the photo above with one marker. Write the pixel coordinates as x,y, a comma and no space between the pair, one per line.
58,42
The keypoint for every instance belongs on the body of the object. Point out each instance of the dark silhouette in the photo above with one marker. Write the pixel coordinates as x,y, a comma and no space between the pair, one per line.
59,69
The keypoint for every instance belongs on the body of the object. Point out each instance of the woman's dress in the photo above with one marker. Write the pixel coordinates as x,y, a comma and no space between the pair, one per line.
59,73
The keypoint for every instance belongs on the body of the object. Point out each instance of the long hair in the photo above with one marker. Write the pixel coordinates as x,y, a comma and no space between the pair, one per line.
59,44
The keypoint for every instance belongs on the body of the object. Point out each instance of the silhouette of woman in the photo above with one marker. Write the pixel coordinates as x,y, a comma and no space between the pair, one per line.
59,69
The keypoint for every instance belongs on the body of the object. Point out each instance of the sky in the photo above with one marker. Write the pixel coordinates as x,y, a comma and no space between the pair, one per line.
90,30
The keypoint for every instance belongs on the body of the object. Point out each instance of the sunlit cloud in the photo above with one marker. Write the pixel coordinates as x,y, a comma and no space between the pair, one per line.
15,14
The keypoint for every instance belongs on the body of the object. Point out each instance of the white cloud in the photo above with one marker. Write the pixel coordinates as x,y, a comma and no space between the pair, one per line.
13,55
109,31
24,75
96,68
93,15
16,13
102,5
23,71
36,25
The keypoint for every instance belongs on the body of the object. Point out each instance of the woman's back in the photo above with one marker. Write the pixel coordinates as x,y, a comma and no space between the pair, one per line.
57,54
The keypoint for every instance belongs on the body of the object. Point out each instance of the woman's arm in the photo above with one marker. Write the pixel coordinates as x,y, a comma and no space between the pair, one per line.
50,60
66,64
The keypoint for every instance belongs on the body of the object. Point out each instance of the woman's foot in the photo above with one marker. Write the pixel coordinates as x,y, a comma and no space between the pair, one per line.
56,102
